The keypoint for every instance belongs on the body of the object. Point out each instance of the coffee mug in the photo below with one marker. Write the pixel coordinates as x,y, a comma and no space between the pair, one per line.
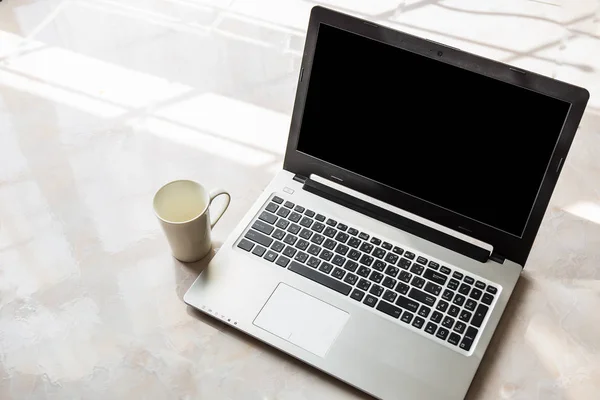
182,208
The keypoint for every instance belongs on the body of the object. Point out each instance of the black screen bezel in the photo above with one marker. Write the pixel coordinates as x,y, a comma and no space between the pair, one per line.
505,244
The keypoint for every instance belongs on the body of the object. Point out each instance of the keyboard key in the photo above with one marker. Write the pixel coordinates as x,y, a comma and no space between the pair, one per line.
431,328
277,199
379,253
491,289
354,242
329,244
417,269
283,212
294,217
270,256
418,322
357,295
398,250
302,244
389,309
305,233
352,231
271,207
442,333
279,234
366,260
307,222
314,249
301,257
299,209
453,284
338,273
457,275
424,311
282,261
363,284
289,251
422,297
329,232
392,271
259,250
376,290
309,213
289,204
363,271
390,296
460,327
363,236
480,313
351,265
391,258
448,294
366,247
325,267
442,306
326,255
263,227
409,255
487,298
331,222
469,280
342,237
448,322
313,262
317,227
379,265
453,311
277,246
402,288
290,239
433,265
350,278
436,316
432,288
320,218
386,245
464,289
422,260
404,263
245,245
338,260
405,276
342,227
480,285
370,300
454,339
445,270
258,238
407,304
376,276
282,223
389,282
294,229
376,241
459,299
468,339
475,294
418,282
435,276
324,280
465,316
318,239
470,304
407,317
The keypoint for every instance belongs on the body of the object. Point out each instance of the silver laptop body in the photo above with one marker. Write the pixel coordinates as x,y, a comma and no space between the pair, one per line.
396,301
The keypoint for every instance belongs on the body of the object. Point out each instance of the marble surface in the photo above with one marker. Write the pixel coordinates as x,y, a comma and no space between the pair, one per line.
103,101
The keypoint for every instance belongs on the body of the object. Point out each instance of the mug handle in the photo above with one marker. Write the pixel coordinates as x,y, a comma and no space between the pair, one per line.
214,193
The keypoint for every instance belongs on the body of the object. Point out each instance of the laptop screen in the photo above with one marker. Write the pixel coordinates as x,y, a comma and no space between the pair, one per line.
468,143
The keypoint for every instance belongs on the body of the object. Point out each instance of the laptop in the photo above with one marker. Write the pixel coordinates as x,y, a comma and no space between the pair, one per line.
415,179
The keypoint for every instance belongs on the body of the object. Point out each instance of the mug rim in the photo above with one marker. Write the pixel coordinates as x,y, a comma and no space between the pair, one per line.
207,196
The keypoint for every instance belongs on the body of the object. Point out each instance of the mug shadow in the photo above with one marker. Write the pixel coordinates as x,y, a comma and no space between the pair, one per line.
498,342
186,273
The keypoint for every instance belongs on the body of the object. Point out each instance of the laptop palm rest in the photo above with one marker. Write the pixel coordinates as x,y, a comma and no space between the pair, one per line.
301,319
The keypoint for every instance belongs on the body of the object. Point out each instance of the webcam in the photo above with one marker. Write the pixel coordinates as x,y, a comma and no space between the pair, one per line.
440,53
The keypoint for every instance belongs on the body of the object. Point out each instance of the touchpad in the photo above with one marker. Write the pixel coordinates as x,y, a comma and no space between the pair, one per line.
301,319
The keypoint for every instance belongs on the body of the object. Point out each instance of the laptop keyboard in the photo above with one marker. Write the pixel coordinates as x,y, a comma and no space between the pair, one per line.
443,302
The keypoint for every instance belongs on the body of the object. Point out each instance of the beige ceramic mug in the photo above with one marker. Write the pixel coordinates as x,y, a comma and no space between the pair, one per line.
182,207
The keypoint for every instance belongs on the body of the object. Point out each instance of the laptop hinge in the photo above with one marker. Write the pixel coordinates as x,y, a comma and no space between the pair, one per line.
398,221
497,258
300,178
